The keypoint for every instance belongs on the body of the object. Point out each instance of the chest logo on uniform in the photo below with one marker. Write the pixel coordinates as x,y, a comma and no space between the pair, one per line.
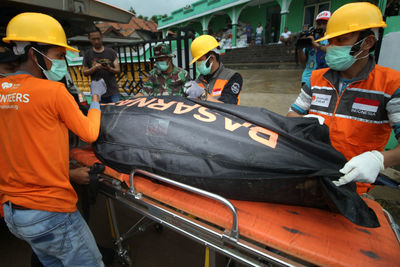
235,88
6,85
321,100
365,106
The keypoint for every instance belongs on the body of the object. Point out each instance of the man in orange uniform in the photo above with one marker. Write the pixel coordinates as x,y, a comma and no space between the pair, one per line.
216,82
359,100
35,115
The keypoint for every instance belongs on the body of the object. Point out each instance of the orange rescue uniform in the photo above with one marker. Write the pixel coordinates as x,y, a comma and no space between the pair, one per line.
35,115
357,119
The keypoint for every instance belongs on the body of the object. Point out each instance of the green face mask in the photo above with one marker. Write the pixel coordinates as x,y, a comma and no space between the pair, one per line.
202,67
339,58
57,71
162,65
58,68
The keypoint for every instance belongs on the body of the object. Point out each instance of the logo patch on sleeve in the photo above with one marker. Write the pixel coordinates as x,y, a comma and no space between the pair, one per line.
235,88
365,106
321,100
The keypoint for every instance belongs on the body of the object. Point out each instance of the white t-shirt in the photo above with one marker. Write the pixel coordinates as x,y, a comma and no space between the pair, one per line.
286,35
259,30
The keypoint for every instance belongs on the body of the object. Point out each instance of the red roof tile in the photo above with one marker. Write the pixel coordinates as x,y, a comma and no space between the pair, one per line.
127,29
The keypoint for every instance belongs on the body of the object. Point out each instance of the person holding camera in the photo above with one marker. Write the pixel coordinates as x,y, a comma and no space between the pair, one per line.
310,53
358,99
101,62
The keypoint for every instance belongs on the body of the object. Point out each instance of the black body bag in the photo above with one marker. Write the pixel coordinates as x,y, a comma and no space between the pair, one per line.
239,152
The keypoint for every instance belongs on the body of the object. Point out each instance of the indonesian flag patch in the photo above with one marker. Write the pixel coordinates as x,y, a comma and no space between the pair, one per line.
216,92
365,106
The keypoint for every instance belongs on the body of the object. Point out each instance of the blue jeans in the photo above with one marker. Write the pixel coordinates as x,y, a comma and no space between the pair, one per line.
57,238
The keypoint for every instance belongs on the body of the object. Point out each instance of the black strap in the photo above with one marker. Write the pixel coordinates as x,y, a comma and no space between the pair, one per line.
39,57
91,190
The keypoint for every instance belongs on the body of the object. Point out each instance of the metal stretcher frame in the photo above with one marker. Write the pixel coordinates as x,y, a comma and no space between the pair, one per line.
146,197
226,242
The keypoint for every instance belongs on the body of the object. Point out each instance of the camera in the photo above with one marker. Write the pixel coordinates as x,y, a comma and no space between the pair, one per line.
303,41
104,64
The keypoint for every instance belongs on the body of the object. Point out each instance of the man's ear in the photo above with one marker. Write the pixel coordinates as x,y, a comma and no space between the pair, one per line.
32,56
369,42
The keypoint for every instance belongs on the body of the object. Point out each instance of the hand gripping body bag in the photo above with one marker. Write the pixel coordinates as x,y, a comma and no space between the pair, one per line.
238,152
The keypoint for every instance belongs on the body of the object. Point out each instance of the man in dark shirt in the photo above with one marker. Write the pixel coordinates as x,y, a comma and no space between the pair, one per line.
220,83
102,63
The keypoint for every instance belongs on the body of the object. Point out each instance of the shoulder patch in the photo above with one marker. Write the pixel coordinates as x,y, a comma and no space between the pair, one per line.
235,88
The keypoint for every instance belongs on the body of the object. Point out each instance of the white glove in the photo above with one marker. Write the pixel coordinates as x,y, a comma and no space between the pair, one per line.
321,119
98,87
363,168
192,89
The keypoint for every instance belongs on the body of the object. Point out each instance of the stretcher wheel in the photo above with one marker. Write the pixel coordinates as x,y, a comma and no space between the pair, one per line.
123,257
158,227
127,261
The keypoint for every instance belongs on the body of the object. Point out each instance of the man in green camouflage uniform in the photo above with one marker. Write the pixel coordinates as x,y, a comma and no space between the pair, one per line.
165,78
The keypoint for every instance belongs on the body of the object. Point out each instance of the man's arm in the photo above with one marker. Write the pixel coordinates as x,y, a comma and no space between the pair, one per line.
148,86
116,69
86,127
392,157
89,71
301,106
79,175
302,56
321,47
293,114
231,91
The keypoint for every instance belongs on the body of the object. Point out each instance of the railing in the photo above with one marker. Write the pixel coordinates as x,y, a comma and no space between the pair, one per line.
136,62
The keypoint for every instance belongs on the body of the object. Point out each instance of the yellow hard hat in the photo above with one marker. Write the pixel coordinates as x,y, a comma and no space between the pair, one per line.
202,45
353,17
36,27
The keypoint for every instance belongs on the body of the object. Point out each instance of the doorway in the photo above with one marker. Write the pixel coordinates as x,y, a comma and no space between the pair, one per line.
273,24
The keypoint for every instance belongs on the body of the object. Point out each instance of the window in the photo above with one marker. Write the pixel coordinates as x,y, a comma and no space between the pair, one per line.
311,10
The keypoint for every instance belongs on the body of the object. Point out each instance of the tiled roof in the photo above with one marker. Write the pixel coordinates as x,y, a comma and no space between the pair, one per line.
127,29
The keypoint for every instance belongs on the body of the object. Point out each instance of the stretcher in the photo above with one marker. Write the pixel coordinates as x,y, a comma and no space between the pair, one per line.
253,233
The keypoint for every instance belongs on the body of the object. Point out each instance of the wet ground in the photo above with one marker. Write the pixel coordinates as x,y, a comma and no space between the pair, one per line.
272,89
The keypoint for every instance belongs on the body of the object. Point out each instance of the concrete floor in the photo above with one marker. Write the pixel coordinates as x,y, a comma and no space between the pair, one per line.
272,89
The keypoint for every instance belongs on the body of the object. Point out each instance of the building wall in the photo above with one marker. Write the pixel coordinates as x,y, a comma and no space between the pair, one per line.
196,8
295,16
219,22
256,14
335,4
196,25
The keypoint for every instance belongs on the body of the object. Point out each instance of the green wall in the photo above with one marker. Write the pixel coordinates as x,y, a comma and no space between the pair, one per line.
219,22
256,14
335,4
295,16
393,24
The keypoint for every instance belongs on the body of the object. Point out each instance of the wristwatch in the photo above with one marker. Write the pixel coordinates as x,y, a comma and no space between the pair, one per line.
203,96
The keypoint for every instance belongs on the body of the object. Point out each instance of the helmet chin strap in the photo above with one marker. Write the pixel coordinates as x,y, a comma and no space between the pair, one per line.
39,57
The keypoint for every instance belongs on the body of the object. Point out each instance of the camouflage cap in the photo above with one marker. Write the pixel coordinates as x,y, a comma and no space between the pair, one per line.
162,50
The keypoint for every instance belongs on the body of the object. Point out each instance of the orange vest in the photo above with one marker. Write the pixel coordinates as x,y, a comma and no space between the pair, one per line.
357,120
35,115
217,83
